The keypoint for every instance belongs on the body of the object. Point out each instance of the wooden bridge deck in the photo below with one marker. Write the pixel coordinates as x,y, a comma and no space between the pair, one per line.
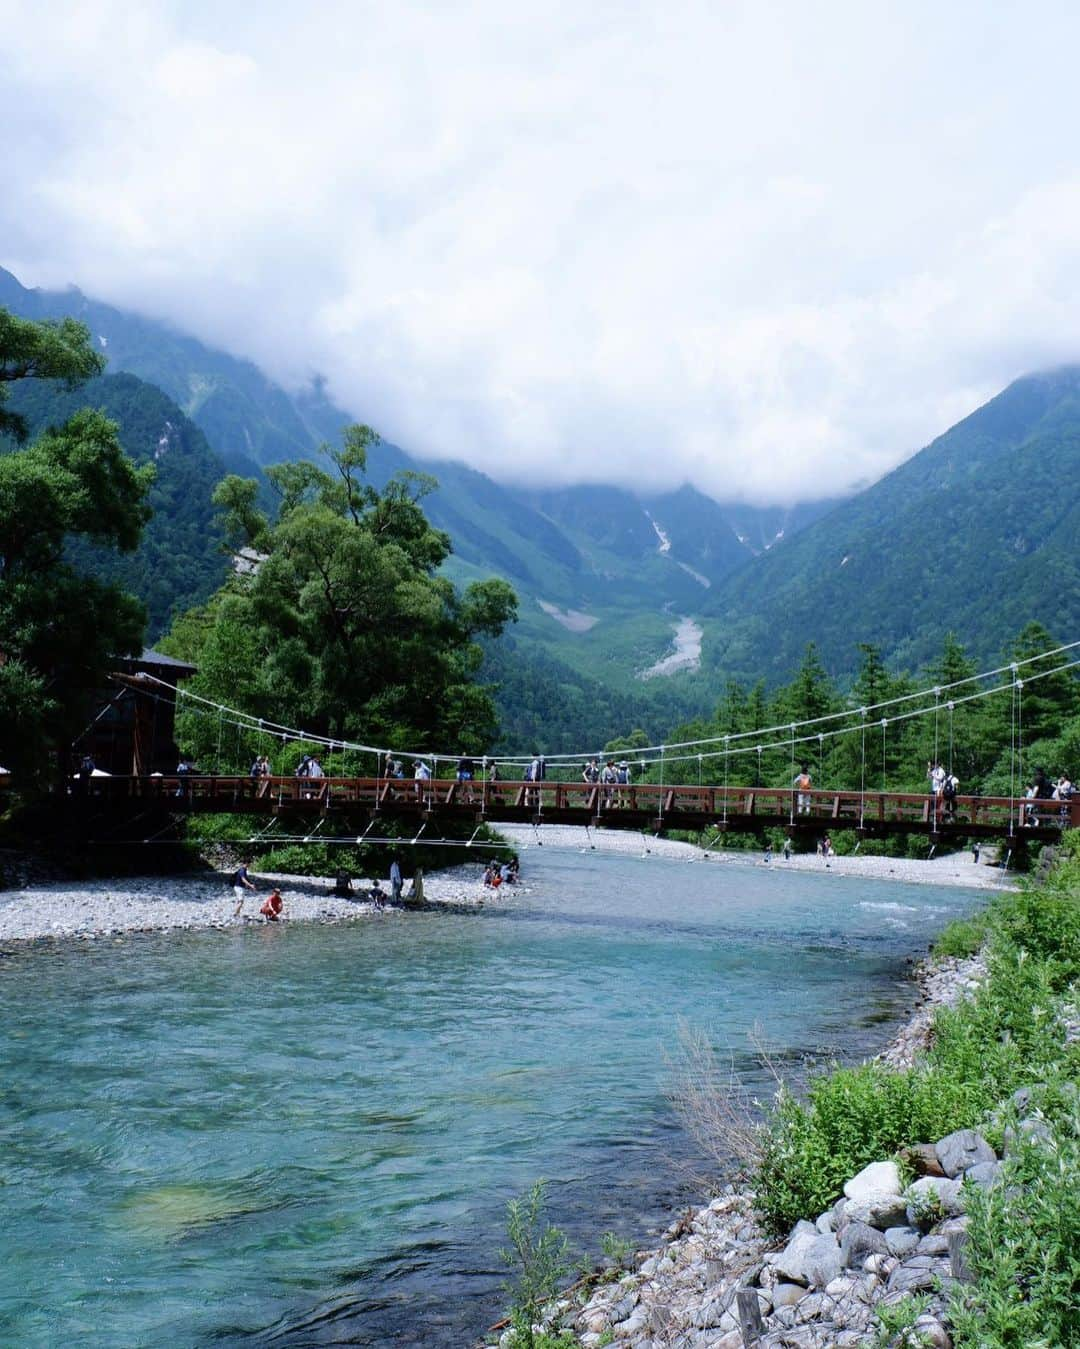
644,807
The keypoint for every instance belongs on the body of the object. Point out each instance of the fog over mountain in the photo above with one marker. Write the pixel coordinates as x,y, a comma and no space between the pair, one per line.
766,250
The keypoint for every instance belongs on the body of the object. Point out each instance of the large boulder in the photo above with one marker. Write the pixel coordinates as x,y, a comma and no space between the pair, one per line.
879,1209
809,1258
901,1241
961,1150
922,1158
859,1241
879,1178
984,1175
931,1198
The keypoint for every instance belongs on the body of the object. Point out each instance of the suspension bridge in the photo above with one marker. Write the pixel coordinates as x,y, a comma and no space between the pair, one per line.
360,803
346,807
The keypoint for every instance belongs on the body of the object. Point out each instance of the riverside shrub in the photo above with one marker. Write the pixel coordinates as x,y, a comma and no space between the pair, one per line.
852,1116
1023,1250
1008,1034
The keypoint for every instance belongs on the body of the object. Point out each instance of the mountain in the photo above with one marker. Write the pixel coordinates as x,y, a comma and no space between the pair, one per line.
245,416
976,533
180,561
604,576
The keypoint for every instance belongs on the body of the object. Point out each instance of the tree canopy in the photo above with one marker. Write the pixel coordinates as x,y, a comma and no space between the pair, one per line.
59,629
54,351
338,620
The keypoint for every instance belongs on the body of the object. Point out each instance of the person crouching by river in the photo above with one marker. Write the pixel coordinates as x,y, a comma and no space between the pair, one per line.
272,906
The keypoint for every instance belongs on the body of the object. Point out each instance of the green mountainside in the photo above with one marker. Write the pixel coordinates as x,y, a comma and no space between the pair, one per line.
977,533
603,575
180,561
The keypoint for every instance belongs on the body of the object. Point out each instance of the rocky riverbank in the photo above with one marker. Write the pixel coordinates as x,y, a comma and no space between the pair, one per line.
956,869
101,908
717,1282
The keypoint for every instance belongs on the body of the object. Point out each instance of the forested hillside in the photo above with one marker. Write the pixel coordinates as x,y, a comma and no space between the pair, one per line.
977,533
179,561
628,565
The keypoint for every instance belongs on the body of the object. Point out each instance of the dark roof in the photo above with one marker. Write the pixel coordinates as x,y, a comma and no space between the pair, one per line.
157,658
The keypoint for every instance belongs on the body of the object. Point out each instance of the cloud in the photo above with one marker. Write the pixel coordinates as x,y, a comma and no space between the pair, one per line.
767,249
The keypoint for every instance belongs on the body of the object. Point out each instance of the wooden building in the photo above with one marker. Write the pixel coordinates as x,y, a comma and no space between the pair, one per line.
134,731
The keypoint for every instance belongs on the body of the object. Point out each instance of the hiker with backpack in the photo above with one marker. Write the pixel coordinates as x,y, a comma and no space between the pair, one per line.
948,797
801,785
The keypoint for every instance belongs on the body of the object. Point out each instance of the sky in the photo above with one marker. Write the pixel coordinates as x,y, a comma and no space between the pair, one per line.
770,249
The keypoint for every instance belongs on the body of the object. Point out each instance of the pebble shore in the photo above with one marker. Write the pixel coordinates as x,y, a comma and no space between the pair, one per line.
101,908
86,910
955,869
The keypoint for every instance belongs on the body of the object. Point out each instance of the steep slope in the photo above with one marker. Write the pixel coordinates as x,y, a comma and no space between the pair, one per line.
603,575
976,533
244,415
180,562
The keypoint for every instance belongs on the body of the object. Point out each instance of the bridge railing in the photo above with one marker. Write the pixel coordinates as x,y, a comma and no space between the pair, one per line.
651,803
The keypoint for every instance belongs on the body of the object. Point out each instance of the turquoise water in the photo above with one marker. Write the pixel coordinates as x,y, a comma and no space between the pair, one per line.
307,1135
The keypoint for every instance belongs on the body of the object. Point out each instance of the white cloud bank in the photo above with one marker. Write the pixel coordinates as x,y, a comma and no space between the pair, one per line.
767,248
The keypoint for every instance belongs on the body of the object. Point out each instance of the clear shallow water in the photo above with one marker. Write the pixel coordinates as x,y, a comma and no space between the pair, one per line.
307,1135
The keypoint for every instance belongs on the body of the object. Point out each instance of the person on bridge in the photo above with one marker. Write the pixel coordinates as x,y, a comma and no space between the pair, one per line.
184,770
272,906
466,772
622,777
1040,790
591,772
948,797
935,774
534,773
801,784
609,777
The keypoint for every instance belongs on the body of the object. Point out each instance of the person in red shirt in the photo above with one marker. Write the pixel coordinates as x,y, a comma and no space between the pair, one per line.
271,909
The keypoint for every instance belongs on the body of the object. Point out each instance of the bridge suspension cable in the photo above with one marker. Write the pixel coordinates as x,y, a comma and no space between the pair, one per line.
707,747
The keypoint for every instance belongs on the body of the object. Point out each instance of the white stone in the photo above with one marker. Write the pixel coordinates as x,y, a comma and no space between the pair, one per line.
881,1209
732,1340
839,1286
632,1324
878,1178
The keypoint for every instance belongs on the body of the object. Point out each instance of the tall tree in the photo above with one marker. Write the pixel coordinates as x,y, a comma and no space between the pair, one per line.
341,621
59,629
53,351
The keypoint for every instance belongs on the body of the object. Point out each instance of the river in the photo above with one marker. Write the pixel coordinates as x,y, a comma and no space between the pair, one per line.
308,1135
